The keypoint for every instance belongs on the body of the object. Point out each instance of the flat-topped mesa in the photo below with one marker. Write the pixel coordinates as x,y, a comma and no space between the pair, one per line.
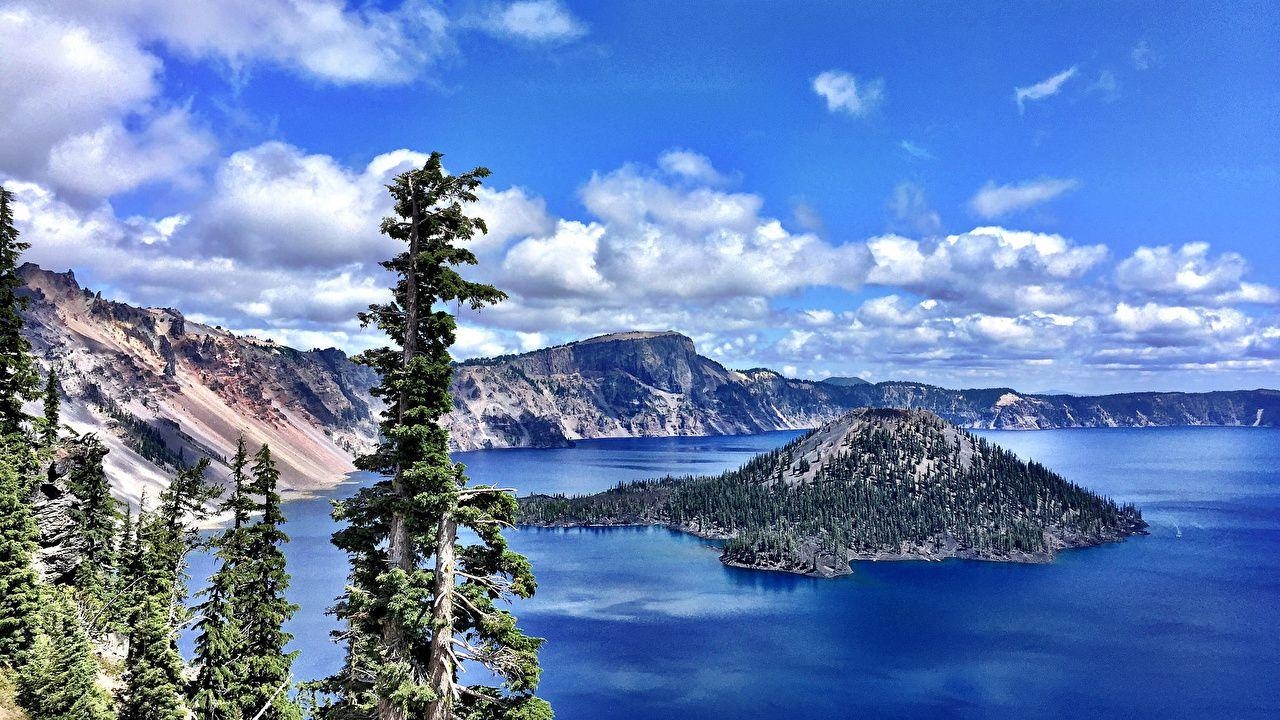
874,484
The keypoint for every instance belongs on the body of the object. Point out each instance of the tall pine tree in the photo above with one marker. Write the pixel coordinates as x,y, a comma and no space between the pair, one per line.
18,378
418,604
261,605
218,691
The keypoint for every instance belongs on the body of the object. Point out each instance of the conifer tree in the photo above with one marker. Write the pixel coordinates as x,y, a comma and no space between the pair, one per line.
52,398
217,691
59,679
19,584
153,681
418,604
18,378
261,605
97,517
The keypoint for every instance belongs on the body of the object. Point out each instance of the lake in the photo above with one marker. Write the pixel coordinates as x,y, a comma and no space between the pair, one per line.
646,623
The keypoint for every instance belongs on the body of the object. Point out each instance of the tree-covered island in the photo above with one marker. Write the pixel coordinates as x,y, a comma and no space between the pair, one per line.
873,485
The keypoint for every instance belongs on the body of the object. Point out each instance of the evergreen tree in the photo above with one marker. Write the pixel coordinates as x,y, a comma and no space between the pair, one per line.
97,517
171,535
217,691
52,398
59,679
19,584
153,679
418,604
18,378
261,605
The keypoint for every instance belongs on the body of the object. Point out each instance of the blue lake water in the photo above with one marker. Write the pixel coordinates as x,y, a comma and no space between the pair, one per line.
646,623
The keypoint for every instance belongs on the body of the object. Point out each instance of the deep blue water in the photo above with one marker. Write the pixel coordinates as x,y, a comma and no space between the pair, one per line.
646,623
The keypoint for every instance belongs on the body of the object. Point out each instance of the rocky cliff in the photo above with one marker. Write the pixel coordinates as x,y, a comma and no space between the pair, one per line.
655,384
160,389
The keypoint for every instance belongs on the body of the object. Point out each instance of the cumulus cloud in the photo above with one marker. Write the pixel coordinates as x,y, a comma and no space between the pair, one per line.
845,93
324,39
1189,273
691,166
655,248
988,268
1045,88
996,201
62,80
539,21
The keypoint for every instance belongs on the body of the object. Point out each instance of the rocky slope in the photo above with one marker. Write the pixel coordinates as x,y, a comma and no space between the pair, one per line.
874,484
655,384
161,389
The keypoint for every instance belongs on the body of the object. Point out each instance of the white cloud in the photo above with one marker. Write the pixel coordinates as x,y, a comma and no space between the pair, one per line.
996,201
691,166
846,93
1045,88
63,80
111,159
323,39
541,21
1190,273
656,249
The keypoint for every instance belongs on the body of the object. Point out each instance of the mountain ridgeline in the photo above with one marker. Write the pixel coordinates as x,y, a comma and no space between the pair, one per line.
162,390
643,384
875,484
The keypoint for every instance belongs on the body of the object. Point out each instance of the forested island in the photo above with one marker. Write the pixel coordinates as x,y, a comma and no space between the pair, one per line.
875,484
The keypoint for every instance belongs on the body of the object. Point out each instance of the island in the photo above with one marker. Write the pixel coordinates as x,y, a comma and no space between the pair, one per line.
874,484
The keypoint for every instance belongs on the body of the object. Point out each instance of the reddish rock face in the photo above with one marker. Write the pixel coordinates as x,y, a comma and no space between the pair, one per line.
158,386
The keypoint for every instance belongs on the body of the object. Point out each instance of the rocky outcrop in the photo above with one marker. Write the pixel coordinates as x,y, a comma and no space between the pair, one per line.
161,389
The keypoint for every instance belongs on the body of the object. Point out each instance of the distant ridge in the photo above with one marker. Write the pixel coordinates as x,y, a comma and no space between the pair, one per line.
646,384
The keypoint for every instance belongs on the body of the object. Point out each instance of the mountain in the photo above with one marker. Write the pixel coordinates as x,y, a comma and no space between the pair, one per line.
874,484
161,389
641,384
846,381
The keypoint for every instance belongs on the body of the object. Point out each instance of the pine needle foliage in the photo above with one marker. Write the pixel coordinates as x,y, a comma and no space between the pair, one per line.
418,603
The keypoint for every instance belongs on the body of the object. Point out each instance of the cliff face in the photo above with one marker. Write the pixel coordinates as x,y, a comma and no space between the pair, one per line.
625,385
160,389
655,384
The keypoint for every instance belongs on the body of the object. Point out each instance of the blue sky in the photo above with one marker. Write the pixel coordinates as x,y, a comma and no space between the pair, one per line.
1066,196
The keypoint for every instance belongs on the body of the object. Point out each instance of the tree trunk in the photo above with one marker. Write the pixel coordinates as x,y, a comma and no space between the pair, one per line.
441,672
399,544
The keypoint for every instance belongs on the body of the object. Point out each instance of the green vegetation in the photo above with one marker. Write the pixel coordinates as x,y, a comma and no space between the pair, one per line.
419,603
885,480
124,575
